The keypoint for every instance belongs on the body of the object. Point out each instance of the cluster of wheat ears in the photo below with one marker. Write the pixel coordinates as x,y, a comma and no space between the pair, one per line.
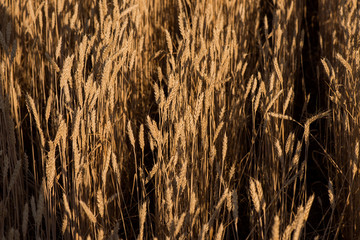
160,119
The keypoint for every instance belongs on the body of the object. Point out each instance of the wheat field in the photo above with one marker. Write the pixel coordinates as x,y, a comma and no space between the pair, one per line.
188,119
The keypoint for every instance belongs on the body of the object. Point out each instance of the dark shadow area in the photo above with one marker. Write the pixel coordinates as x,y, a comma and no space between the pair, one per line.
317,176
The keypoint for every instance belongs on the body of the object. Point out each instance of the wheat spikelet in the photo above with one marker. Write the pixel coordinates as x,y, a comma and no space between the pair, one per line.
281,116
254,195
235,206
289,142
331,195
153,130
271,103
13,51
288,99
32,109
65,77
61,133
100,234
193,201
88,212
52,62
354,168
115,164
50,165
219,234
131,134
6,166
260,194
276,228
344,62
3,43
142,218
204,230
168,199
181,180
106,166
272,82
141,137
278,71
64,224
66,205
74,17
169,42
8,31
295,159
232,171
40,206
181,21
224,147
100,202
105,79
33,206
25,219
254,85
15,175
326,67
48,107
156,91
128,10
309,121
75,134
217,131
58,48
279,150
256,100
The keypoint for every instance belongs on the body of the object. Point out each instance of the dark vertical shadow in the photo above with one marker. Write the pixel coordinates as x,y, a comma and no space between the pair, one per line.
317,176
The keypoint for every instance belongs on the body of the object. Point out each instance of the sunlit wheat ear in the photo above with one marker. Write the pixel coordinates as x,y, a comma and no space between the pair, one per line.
331,195
344,63
219,233
276,228
169,42
141,137
106,165
254,195
225,141
58,48
50,165
66,205
88,212
131,134
142,218
48,107
64,224
100,202
288,99
289,143
100,234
